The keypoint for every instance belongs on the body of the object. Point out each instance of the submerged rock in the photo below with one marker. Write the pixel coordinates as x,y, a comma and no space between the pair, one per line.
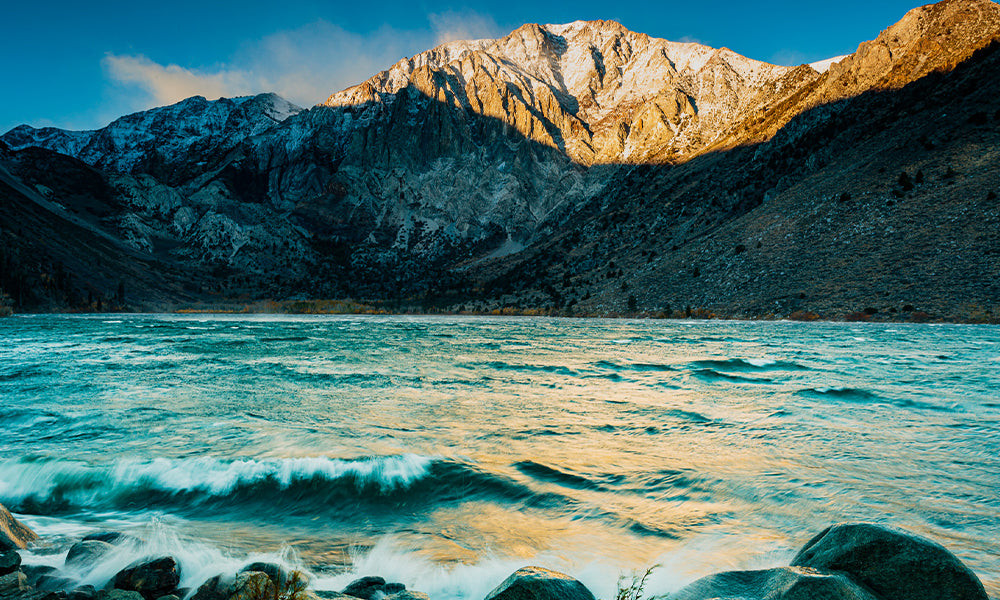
536,583
10,561
87,552
14,534
783,583
893,563
152,579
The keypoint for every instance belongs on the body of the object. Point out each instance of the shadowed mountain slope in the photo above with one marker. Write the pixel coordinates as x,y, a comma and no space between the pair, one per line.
569,167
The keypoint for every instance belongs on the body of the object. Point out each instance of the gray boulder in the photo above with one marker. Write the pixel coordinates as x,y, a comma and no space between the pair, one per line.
111,537
83,592
536,583
784,583
279,575
54,583
36,572
214,588
117,594
13,533
87,552
893,563
14,584
10,561
407,595
152,579
252,585
365,588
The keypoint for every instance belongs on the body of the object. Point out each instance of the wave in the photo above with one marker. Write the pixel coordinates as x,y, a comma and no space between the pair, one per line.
297,485
846,393
748,364
713,375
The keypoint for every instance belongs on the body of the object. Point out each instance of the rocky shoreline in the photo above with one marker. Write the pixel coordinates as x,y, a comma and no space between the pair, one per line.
849,561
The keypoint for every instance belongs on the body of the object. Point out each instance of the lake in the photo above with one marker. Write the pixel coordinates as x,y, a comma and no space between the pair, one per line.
447,452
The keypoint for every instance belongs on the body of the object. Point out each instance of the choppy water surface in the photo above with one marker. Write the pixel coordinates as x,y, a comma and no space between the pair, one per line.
446,452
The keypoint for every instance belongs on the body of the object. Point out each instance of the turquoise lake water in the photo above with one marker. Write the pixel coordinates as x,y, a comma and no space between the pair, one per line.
447,452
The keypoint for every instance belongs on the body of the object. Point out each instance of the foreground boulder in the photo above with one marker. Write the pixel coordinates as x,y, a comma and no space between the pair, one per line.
894,564
13,584
536,583
10,561
784,583
87,552
152,579
367,588
111,537
13,533
252,585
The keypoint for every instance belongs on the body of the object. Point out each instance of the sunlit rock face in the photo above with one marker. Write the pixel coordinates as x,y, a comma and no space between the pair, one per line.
597,91
480,149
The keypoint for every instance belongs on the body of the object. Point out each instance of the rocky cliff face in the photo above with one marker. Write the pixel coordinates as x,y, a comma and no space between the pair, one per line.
595,90
465,171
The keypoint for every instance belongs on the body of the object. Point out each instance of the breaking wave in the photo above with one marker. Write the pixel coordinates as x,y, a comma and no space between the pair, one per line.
295,484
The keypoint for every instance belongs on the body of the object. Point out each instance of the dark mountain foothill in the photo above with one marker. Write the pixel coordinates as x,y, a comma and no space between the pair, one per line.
563,169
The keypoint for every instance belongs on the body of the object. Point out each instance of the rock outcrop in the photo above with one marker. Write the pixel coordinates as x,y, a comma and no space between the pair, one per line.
561,167
536,583
784,583
851,561
10,561
151,578
893,563
13,533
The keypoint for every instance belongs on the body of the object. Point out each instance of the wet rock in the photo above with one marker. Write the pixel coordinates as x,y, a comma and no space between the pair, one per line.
893,563
54,583
152,579
36,572
214,588
14,584
252,585
326,595
536,583
784,583
279,575
87,552
393,588
407,595
10,561
169,597
111,537
364,588
83,592
118,594
13,533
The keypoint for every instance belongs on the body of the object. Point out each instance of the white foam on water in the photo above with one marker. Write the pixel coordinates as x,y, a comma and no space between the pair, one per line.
86,484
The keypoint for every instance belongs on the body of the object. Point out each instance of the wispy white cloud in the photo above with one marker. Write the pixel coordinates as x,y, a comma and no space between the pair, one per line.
465,25
172,83
305,65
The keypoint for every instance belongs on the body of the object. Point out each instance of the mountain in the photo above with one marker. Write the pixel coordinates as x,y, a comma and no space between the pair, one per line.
577,167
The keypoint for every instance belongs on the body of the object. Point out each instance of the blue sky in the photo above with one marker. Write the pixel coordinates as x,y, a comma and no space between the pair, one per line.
80,65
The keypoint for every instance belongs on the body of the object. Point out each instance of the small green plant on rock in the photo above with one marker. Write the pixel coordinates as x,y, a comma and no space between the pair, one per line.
635,587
